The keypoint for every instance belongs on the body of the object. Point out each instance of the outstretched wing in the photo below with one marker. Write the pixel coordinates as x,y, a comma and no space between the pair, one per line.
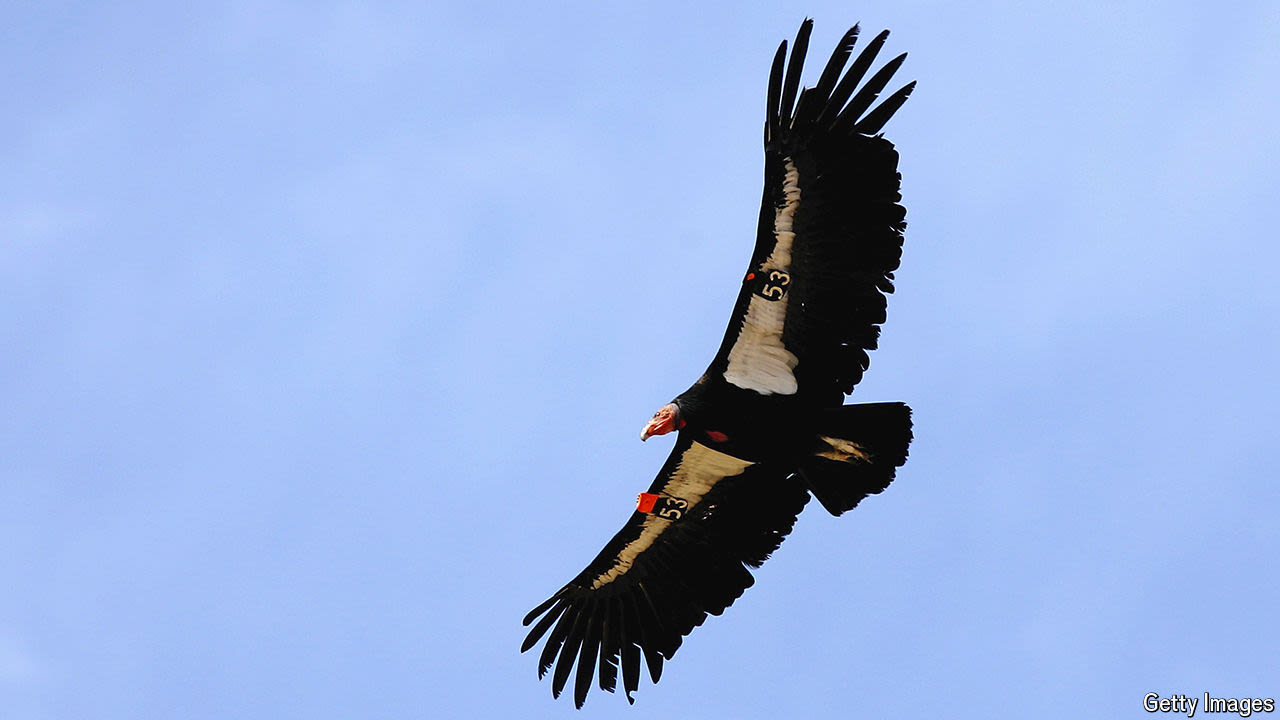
830,233
682,555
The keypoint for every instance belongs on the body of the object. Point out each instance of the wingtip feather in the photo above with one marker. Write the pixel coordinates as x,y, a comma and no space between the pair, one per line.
849,116
541,628
876,119
542,607
773,100
849,83
794,67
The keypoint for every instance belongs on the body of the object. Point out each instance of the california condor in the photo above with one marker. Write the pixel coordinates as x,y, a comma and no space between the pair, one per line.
765,426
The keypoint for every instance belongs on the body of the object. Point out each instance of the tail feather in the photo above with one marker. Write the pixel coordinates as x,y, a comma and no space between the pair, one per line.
859,449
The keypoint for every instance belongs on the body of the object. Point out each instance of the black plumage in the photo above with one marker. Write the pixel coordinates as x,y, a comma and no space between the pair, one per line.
764,428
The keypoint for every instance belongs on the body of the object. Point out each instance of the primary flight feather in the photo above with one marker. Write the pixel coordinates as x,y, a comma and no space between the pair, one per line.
764,427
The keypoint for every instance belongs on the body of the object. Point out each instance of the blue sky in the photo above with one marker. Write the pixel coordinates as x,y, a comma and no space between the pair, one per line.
327,330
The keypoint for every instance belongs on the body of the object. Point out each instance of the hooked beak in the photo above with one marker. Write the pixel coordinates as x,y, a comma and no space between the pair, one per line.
662,422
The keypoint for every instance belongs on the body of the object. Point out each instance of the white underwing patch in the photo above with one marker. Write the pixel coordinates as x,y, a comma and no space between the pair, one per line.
699,470
758,359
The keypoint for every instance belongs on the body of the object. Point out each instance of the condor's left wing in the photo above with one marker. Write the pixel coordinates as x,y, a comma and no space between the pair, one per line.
830,229
682,555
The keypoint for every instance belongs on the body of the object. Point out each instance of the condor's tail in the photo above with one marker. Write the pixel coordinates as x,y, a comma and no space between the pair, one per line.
858,449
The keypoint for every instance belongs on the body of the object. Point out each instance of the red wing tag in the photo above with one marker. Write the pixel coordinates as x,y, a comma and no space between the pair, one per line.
668,507
645,502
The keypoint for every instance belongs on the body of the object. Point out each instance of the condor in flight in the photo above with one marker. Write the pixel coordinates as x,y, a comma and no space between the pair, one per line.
765,426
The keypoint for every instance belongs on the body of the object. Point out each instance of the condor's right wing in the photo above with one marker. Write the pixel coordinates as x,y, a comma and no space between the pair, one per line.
682,555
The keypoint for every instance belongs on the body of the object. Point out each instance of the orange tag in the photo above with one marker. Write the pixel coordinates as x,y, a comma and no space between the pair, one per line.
645,502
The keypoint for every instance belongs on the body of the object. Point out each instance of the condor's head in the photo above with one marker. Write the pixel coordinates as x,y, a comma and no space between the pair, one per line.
664,421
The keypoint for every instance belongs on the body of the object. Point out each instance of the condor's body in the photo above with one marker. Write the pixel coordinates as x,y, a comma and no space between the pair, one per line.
764,427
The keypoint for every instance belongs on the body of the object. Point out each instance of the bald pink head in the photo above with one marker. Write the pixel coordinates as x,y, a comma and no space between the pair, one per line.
664,421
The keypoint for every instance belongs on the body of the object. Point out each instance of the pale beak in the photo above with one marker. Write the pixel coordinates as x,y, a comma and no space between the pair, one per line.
662,422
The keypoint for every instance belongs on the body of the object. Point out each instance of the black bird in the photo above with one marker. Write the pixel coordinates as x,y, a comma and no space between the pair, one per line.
765,426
